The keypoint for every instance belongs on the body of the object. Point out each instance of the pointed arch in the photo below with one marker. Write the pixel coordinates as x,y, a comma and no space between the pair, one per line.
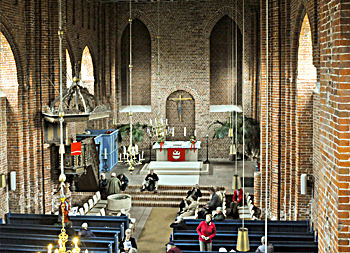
223,63
69,69
141,58
87,70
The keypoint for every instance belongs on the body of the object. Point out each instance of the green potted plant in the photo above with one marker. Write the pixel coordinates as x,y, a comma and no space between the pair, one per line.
137,132
251,133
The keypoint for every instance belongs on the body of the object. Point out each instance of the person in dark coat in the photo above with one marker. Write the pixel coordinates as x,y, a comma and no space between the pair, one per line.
151,178
194,191
85,232
124,180
128,242
70,230
113,186
171,248
219,216
212,204
103,185
180,224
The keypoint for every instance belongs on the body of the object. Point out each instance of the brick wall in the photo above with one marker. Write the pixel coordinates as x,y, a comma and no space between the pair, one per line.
3,158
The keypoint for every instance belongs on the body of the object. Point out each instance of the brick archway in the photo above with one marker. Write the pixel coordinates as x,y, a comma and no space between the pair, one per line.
187,115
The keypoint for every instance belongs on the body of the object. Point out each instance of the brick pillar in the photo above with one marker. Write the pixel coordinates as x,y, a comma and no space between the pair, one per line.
3,154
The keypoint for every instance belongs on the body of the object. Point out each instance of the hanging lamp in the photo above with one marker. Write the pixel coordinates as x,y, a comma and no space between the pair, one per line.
243,238
236,182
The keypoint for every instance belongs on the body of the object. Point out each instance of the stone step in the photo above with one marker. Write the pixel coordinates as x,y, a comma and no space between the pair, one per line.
156,203
181,193
176,168
177,187
157,197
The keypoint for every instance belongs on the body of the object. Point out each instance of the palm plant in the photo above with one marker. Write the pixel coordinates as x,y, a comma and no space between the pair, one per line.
137,132
251,133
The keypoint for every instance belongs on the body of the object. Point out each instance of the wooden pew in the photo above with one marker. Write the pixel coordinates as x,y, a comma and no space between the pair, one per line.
254,225
34,249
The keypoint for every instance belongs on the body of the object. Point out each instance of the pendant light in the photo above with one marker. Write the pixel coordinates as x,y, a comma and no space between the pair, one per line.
242,238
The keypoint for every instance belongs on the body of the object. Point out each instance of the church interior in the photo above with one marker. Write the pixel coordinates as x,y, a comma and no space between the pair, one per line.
221,93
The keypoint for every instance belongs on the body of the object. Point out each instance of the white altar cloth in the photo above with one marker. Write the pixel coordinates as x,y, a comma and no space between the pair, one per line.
176,144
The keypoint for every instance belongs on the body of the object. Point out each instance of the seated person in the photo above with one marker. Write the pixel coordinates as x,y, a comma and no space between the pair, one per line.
236,202
189,209
194,191
85,232
212,204
171,248
219,216
70,230
151,182
128,242
124,180
261,248
180,224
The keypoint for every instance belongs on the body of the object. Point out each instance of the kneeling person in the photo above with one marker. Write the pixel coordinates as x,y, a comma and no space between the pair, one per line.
151,182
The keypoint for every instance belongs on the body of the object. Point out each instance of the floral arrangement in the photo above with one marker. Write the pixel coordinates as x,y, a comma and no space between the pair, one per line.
161,143
193,144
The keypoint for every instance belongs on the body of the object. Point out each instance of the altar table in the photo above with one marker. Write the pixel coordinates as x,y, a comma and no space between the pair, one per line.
177,151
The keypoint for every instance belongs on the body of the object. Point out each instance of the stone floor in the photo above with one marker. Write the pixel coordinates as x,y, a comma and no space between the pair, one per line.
220,174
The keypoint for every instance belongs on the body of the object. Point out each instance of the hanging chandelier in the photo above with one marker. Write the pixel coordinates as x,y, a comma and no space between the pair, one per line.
63,236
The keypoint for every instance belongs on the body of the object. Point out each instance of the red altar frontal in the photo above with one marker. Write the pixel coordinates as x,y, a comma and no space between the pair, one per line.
177,151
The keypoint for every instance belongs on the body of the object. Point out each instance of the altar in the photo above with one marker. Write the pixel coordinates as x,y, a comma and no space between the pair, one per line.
177,151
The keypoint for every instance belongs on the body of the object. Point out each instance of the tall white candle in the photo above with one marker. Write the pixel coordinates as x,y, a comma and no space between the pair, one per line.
166,121
139,157
124,150
142,154
173,132
120,156
105,153
184,131
195,132
161,121
150,121
155,121
136,148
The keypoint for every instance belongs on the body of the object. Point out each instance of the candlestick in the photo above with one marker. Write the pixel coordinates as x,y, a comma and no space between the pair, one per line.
184,131
49,248
150,121
142,154
124,150
195,133
105,153
173,132
166,121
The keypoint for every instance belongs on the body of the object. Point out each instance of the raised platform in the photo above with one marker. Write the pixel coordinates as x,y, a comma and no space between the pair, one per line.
176,168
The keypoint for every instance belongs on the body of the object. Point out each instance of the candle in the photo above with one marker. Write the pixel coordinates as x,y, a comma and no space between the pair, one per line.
75,240
156,132
161,121
60,242
166,121
155,121
139,157
49,248
74,251
124,149
57,251
105,153
137,148
142,154
120,156
147,130
184,131
173,132
150,121
195,132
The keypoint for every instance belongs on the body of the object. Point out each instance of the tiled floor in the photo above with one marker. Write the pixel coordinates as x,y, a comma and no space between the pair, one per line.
221,172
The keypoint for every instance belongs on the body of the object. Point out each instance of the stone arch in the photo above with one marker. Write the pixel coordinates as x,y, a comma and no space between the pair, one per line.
141,61
87,70
187,115
223,65
69,68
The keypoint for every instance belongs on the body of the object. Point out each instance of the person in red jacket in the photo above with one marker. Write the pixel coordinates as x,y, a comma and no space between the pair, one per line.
206,231
236,202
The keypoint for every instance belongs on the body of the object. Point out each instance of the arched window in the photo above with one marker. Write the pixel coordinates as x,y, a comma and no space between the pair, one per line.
69,70
223,65
87,70
141,57
8,72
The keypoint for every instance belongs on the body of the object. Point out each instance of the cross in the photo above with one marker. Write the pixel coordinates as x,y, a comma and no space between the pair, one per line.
179,103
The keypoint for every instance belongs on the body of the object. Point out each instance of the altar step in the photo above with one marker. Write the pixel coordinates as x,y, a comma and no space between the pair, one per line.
176,168
167,196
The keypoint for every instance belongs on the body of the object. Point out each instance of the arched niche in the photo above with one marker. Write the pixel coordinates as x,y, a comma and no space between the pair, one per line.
225,64
187,108
141,61
69,69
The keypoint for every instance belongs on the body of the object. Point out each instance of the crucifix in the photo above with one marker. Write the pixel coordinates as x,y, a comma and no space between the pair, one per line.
180,99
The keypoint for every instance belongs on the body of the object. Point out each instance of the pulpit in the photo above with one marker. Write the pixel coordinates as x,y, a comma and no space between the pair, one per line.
177,151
